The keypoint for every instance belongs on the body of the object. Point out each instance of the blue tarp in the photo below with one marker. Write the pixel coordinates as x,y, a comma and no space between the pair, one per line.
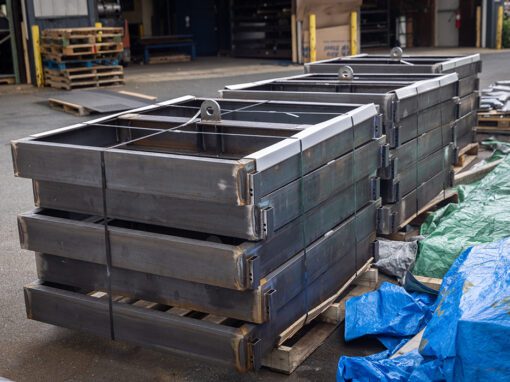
467,338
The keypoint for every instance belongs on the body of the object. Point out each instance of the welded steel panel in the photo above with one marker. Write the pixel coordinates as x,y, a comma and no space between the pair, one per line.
415,150
408,179
468,104
392,216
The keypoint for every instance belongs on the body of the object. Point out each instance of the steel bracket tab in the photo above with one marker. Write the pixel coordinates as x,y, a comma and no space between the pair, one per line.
255,353
267,222
375,184
385,160
253,270
269,303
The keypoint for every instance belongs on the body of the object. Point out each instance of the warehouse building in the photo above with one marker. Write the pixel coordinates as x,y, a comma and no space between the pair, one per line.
180,30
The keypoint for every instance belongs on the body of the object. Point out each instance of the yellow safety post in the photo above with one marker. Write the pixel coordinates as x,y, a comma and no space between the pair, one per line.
478,26
294,37
36,43
99,33
313,39
499,31
354,33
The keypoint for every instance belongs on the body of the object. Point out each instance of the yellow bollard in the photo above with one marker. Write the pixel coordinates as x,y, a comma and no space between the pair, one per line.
36,43
499,31
354,33
313,39
99,33
478,26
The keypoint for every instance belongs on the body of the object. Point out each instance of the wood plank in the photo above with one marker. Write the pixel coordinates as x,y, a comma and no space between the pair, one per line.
412,344
431,282
286,359
312,314
464,162
475,173
138,95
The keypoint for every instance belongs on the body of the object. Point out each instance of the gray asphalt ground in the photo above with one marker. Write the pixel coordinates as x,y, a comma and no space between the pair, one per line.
33,351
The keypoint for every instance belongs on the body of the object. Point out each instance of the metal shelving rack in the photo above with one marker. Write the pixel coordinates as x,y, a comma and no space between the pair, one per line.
261,28
7,35
375,24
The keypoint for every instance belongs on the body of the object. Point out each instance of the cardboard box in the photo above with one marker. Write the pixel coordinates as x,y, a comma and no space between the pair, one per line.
331,42
328,13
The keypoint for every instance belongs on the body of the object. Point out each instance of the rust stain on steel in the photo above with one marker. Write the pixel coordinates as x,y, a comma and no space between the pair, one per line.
240,173
239,346
14,152
239,265
23,232
37,199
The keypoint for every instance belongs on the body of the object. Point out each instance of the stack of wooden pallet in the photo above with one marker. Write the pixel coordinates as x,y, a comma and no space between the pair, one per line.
82,57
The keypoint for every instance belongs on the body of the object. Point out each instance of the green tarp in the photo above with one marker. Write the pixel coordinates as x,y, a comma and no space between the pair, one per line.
482,216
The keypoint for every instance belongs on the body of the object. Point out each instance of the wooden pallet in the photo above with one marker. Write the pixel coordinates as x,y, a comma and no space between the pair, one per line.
493,122
84,77
68,107
305,336
169,59
77,33
85,72
86,84
90,56
466,156
7,80
410,227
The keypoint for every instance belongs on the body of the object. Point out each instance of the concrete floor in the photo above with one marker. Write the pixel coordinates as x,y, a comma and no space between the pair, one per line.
33,351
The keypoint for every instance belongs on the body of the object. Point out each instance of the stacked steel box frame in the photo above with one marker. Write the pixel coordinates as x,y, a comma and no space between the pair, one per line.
466,67
418,110
115,197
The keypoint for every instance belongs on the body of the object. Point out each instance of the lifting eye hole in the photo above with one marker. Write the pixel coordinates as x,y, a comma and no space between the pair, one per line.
210,111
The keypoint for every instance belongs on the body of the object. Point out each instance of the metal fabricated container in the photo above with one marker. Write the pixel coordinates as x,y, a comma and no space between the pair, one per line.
206,159
466,67
410,104
397,62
